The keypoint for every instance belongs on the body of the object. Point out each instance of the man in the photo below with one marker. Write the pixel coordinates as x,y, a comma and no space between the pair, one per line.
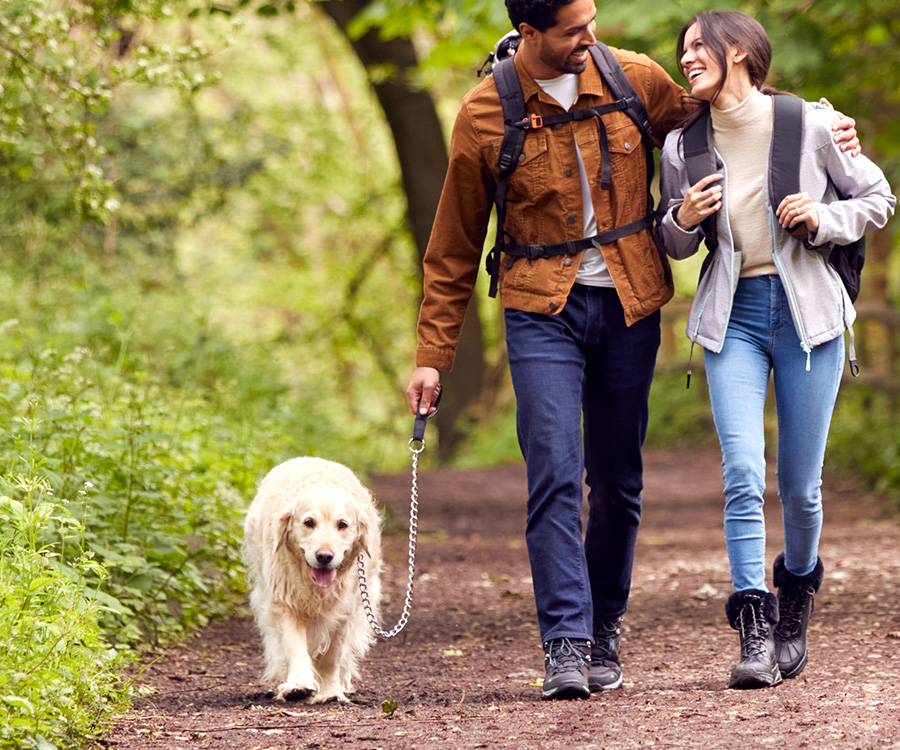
582,329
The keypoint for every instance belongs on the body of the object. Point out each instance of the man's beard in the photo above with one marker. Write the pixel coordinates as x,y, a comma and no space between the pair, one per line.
566,64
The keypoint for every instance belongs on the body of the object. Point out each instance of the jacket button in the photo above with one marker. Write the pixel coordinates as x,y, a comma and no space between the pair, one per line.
521,158
627,146
552,305
571,218
568,172
567,262
558,126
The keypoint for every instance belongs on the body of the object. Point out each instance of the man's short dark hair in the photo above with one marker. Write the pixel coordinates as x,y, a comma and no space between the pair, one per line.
541,14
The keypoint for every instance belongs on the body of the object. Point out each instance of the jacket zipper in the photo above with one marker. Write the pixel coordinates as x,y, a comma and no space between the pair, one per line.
731,283
712,270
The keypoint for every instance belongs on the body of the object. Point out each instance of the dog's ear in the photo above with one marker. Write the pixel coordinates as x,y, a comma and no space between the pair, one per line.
369,524
284,528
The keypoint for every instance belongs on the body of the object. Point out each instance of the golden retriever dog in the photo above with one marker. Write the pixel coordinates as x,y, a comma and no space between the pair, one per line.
304,531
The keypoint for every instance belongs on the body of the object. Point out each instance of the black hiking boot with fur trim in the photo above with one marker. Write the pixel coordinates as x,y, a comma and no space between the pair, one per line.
795,605
606,667
566,661
754,615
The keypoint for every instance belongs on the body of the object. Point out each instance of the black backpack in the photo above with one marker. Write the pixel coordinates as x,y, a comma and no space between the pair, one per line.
517,125
784,180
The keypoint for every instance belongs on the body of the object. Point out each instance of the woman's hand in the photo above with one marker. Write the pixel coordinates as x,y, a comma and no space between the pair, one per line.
701,200
798,209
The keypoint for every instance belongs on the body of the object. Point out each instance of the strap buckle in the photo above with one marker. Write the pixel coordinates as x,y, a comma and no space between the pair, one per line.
533,123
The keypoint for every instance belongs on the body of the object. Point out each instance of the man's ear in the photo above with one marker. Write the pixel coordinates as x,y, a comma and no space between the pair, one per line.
527,32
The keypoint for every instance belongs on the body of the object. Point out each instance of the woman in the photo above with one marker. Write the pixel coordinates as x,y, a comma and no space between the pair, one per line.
767,302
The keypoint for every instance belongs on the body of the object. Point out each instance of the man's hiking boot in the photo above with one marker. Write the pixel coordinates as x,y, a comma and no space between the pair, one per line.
754,615
606,668
795,605
566,661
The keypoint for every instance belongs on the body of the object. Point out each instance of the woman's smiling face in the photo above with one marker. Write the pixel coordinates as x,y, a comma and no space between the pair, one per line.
703,72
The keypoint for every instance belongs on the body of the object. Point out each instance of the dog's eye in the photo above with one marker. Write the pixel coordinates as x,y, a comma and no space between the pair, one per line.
342,525
309,523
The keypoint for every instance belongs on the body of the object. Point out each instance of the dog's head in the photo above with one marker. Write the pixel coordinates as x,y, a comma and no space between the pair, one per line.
327,527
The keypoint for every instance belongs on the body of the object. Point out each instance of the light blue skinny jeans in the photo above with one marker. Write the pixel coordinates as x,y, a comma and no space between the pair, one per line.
761,339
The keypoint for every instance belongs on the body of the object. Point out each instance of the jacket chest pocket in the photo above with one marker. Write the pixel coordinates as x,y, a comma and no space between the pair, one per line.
531,174
626,154
623,160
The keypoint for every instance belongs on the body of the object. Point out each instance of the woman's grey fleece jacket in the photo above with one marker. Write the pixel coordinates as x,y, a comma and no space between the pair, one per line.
820,306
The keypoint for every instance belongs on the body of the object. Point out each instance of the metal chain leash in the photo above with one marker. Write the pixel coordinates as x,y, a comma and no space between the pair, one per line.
416,446
413,530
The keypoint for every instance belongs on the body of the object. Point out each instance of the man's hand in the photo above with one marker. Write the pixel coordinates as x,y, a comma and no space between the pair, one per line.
423,390
844,128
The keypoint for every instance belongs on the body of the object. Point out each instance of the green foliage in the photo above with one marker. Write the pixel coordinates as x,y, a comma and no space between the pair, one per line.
60,65
170,448
680,417
459,31
865,438
59,678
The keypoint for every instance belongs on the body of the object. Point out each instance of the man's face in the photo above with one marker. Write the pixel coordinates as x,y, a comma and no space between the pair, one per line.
563,48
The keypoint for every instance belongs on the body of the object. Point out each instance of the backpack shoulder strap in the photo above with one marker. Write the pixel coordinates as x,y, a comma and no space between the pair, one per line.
512,100
513,103
621,87
700,161
787,138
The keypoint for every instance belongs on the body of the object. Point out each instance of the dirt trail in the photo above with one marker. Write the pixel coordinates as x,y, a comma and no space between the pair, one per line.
462,674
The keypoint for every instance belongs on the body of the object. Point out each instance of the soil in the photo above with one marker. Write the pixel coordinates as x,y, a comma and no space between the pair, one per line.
465,671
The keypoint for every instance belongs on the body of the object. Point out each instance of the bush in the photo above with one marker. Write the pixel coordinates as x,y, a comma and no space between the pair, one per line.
59,679
865,439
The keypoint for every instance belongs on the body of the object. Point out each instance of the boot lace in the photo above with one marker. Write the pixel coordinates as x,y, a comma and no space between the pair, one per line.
753,628
564,656
791,605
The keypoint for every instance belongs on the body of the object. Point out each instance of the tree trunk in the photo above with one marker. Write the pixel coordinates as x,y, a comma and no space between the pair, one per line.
422,152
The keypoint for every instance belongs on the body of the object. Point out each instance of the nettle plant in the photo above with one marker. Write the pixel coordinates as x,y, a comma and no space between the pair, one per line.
158,514
59,678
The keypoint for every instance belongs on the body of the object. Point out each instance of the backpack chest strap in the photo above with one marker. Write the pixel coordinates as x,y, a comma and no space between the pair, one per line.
537,122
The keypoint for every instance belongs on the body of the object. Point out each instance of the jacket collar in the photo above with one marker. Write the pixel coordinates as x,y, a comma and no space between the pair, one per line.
589,83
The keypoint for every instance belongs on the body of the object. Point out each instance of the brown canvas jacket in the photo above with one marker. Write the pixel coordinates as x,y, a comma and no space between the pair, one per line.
544,204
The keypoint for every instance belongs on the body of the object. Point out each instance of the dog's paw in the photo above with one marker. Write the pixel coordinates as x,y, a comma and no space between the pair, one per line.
329,695
294,692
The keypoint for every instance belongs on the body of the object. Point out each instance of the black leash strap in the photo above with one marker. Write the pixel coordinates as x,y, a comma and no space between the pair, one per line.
418,438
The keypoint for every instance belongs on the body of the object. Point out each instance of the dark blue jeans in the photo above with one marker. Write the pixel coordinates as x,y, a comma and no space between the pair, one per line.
582,362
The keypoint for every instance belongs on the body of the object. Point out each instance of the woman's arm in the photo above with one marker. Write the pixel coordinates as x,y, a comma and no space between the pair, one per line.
866,200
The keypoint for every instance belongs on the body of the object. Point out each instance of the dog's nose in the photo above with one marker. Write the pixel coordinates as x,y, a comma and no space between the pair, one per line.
324,557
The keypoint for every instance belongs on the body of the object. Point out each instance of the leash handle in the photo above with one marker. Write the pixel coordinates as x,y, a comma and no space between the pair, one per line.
417,443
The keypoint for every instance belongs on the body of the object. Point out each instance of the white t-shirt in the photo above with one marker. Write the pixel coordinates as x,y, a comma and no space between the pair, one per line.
592,270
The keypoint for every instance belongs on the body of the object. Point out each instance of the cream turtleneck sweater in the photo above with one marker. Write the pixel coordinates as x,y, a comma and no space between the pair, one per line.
743,135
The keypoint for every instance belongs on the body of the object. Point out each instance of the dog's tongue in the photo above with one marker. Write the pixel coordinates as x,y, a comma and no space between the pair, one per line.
323,577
